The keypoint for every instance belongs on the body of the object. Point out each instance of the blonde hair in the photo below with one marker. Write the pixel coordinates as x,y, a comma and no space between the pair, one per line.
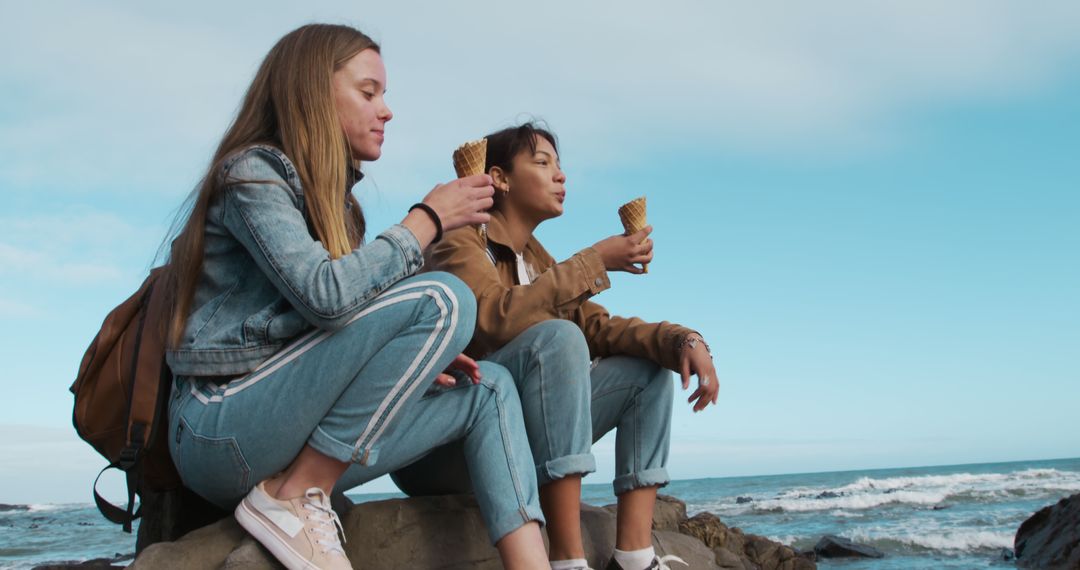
289,105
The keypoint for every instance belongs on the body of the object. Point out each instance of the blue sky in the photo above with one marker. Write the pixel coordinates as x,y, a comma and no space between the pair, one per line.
872,212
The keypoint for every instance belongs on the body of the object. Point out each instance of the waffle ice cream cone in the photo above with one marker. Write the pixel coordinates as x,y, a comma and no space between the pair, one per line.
632,215
470,158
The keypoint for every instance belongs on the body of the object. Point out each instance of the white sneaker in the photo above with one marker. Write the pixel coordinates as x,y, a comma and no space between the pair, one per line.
661,562
302,533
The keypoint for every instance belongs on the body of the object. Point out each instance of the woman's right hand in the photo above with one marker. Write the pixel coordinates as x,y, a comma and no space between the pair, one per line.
458,203
623,252
462,202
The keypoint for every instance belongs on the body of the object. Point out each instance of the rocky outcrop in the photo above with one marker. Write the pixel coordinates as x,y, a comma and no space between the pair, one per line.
736,550
831,546
1051,537
447,533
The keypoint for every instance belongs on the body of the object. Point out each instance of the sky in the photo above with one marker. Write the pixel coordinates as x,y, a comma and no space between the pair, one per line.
870,210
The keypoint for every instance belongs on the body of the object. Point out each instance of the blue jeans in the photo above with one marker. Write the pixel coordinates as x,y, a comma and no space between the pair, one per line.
362,394
567,406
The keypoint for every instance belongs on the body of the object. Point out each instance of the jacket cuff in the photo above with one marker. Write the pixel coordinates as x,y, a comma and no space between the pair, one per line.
409,246
595,274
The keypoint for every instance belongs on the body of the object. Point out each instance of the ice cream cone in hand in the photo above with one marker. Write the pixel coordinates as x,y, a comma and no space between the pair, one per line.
632,215
470,158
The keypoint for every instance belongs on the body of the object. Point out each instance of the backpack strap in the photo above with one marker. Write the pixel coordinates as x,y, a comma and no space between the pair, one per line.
148,403
112,512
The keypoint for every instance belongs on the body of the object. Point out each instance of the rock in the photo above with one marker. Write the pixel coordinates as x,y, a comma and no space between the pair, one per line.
171,514
1007,555
831,546
732,547
941,507
828,495
5,508
668,513
447,532
743,500
1051,537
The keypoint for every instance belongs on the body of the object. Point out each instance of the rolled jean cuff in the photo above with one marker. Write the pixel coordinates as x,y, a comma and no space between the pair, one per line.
646,478
561,467
505,523
332,447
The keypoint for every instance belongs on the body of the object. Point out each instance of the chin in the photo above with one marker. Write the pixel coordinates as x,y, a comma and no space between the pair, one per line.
367,153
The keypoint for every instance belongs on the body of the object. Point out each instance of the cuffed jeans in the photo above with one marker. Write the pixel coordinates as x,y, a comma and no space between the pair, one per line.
567,406
363,394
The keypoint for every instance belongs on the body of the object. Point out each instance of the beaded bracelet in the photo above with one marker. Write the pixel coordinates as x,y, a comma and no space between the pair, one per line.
691,340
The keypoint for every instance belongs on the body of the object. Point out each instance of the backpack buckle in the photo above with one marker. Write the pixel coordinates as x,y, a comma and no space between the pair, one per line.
128,456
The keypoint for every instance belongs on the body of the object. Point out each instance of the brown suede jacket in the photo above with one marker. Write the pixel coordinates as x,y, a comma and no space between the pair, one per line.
557,291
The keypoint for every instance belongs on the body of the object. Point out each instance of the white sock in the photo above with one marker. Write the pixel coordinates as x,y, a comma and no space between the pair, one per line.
569,564
635,559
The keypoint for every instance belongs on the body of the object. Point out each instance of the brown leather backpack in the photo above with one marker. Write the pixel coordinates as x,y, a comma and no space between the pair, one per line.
122,395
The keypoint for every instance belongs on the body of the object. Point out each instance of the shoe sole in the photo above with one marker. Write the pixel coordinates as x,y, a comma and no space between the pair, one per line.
262,532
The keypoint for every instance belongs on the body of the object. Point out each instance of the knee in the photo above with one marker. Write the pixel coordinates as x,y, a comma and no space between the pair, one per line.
657,382
559,337
497,379
454,300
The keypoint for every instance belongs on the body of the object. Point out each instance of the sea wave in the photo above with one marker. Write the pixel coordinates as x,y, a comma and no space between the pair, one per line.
941,540
926,491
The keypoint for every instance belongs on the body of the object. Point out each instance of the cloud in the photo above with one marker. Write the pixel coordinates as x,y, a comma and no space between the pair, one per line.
33,264
75,246
11,309
134,98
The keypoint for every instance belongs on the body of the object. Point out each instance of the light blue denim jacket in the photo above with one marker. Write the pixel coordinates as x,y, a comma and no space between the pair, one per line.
265,279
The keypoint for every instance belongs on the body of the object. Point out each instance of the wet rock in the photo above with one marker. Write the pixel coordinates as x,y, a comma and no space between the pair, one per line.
751,551
831,546
1051,537
1007,554
5,508
828,495
743,500
448,532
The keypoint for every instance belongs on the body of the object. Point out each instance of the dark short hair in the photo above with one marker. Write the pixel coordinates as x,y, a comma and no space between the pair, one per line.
504,145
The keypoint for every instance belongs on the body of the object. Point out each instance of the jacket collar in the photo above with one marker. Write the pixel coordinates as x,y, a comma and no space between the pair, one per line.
497,233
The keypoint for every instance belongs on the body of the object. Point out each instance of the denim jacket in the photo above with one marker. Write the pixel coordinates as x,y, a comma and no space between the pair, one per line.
265,279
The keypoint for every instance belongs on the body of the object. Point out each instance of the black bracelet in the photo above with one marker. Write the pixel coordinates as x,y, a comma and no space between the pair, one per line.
434,218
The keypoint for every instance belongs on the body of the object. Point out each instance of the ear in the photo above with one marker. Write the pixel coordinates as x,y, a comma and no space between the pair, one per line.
500,179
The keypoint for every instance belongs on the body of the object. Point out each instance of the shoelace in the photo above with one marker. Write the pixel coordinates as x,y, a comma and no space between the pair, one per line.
327,523
660,562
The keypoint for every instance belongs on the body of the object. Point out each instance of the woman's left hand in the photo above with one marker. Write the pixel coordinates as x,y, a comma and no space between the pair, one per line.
462,363
697,360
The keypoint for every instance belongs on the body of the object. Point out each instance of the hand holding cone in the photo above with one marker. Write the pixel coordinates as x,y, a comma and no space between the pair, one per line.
632,215
470,158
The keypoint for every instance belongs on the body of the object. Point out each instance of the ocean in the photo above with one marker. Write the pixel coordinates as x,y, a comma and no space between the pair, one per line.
959,516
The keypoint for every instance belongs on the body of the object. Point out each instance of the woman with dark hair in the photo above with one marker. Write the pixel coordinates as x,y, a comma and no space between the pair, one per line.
580,372
303,355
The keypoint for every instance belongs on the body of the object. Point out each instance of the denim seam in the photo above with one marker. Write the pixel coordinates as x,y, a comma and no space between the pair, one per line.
221,303
504,432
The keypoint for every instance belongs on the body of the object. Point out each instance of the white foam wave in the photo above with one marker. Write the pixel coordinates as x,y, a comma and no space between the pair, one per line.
965,540
927,490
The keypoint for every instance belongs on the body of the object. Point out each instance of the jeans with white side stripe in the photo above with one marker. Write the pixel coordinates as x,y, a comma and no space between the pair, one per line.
362,394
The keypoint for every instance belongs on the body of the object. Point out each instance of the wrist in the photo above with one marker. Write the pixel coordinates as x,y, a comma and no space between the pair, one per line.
692,341
433,216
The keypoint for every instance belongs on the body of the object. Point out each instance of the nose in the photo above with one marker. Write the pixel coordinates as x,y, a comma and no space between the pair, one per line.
385,113
560,176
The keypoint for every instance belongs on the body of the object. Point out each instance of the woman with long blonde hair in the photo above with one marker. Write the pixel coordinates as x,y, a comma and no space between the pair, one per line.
304,356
